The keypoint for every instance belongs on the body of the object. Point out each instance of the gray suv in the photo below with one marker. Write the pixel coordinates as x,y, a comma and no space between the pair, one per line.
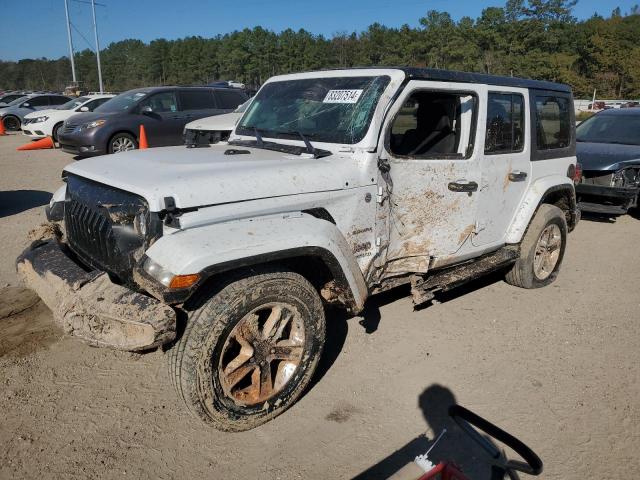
13,115
164,111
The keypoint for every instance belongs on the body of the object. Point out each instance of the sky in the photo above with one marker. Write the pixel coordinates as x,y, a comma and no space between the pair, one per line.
36,28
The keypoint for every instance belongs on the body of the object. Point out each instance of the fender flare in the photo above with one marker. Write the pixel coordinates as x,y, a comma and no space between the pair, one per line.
533,198
220,247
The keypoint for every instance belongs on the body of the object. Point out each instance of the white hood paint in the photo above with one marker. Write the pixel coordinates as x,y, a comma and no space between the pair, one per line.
225,122
206,176
42,113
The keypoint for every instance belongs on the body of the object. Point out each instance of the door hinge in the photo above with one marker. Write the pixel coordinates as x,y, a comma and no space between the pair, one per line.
379,197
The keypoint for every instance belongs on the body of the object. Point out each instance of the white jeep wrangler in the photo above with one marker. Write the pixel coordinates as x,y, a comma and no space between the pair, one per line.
334,186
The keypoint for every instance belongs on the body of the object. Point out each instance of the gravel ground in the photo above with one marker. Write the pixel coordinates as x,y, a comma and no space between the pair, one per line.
558,367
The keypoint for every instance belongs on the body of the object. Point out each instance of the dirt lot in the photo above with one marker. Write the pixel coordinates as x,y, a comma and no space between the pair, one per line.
559,367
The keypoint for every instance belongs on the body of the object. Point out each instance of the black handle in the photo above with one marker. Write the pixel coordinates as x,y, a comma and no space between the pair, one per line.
463,186
465,418
518,176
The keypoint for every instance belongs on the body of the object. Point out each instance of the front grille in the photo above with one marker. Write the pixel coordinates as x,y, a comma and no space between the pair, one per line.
103,226
68,127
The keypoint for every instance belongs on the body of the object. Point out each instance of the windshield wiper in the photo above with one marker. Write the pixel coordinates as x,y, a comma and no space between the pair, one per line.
258,136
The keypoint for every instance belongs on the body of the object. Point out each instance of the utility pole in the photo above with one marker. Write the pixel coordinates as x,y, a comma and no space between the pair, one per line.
73,63
95,33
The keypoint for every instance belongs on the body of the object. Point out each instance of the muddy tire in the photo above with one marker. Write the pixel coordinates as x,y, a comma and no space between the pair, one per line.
542,249
249,348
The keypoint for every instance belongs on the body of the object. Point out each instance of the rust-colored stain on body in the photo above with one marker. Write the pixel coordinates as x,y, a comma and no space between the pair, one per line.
466,233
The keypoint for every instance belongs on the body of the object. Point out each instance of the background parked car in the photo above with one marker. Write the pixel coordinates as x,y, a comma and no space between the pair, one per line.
45,123
608,149
9,97
13,115
164,111
213,129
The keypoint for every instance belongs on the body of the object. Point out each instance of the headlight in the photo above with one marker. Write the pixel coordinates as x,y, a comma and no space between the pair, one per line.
94,124
158,272
39,119
166,278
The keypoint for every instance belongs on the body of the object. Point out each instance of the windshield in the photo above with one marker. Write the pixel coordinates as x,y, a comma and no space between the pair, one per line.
17,101
624,129
332,110
71,104
243,107
121,102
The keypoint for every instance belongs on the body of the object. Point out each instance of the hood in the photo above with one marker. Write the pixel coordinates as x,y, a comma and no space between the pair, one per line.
206,176
226,121
86,117
606,156
41,113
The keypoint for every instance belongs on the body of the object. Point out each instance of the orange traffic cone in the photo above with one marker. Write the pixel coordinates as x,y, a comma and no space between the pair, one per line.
142,143
38,145
2,130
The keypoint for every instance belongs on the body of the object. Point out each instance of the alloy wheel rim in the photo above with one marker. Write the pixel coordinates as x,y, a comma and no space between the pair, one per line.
262,353
547,251
122,144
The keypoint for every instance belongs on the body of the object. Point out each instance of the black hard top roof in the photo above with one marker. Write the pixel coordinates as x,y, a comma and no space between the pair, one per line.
468,77
416,73
621,111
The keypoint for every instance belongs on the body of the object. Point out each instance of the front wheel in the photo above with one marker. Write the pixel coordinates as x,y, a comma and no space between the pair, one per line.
249,351
55,130
11,123
122,142
542,249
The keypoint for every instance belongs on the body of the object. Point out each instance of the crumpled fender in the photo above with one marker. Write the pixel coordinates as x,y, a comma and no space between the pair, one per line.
537,190
224,246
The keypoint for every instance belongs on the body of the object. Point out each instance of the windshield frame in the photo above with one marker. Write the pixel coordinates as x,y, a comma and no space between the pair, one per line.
370,137
618,117
73,103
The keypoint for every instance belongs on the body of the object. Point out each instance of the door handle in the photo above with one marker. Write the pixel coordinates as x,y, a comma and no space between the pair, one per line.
463,186
517,176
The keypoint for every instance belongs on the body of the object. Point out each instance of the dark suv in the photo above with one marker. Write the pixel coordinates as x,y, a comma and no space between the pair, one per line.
164,111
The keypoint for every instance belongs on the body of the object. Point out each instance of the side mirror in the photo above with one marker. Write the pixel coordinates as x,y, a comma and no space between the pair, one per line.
26,105
84,109
146,110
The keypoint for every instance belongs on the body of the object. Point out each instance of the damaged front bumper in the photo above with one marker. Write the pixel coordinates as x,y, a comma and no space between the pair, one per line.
89,305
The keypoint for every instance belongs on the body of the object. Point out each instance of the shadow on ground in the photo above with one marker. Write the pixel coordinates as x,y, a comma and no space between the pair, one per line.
454,446
16,201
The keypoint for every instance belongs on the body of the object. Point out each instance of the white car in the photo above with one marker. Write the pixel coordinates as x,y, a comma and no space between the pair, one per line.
45,123
214,129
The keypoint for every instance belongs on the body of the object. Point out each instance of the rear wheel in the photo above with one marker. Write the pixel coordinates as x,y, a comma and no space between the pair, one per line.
541,250
250,350
122,142
11,123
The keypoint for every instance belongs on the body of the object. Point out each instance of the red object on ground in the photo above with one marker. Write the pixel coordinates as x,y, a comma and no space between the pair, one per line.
142,143
446,471
38,145
2,130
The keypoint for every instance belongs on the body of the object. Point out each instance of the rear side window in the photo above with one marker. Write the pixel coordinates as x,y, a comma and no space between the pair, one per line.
56,100
505,123
229,99
553,122
196,99
38,101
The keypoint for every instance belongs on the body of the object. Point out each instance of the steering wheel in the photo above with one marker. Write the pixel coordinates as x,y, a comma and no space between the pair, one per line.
467,420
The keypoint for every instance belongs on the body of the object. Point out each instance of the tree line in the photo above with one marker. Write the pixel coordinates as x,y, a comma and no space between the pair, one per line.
538,39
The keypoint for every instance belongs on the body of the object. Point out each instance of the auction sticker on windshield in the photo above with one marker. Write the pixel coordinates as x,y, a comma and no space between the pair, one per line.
342,96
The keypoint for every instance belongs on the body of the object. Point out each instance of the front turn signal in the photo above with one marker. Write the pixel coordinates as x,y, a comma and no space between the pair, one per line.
184,281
